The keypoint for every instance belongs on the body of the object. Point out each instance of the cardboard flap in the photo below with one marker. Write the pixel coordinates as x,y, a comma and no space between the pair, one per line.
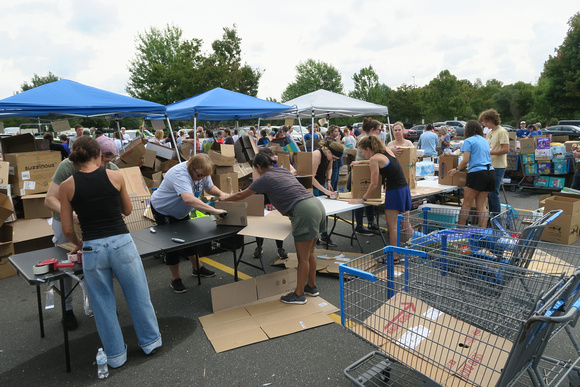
237,213
280,282
220,159
4,172
134,181
255,205
234,294
273,226
284,160
296,324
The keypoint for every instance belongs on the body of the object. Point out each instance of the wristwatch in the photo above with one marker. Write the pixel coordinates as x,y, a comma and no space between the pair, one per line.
364,199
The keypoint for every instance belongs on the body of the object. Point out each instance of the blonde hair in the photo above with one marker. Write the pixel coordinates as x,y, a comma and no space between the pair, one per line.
399,123
159,134
200,161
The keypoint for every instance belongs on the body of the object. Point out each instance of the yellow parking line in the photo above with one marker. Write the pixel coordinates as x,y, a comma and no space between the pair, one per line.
335,317
224,268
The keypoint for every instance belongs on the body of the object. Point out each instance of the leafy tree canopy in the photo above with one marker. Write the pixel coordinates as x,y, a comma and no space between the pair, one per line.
38,80
311,76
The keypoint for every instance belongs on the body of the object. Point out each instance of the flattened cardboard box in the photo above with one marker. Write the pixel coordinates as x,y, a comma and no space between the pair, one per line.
328,261
4,173
226,182
31,172
134,181
237,213
161,151
6,208
250,311
418,333
303,163
31,234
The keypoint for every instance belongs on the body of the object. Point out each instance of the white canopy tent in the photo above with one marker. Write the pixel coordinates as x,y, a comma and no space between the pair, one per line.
326,104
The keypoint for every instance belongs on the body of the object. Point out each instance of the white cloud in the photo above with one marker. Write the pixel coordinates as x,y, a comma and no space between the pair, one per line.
93,41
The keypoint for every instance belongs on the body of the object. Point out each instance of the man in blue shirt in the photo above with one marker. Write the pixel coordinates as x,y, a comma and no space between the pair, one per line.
308,136
522,131
429,141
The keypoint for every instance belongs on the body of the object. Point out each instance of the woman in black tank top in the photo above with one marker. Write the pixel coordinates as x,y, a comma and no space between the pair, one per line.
384,164
99,197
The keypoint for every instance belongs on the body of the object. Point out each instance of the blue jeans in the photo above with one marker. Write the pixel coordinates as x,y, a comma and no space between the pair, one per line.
118,255
493,200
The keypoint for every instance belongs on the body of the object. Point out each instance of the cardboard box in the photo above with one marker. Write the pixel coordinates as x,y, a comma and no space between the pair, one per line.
255,205
528,158
360,181
527,145
226,182
226,158
303,163
543,154
543,142
31,172
237,213
531,169
561,139
544,168
243,170
4,173
460,179
447,163
186,150
167,165
218,170
133,155
136,186
6,269
6,243
558,152
250,311
541,181
569,145
566,228
18,144
161,151
284,160
512,162
149,158
408,161
34,207
6,208
31,234
561,167
557,182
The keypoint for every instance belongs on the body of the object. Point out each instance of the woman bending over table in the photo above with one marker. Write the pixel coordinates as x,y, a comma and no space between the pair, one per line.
306,213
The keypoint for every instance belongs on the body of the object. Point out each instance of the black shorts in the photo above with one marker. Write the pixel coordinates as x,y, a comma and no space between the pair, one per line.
482,181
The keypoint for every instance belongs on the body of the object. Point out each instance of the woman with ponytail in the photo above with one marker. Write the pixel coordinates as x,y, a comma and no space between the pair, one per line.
100,199
384,165
306,213
323,158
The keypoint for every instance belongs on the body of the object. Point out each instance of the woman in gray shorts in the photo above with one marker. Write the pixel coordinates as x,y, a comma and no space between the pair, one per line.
306,214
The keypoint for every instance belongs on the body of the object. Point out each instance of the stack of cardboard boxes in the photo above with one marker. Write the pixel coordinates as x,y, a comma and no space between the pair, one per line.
566,228
541,158
447,163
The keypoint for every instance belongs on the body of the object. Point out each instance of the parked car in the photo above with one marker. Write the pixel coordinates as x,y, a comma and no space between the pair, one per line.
563,130
410,134
569,122
459,127
419,129
509,128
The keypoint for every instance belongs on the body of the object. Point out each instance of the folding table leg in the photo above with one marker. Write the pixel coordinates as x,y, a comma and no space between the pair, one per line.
64,329
40,314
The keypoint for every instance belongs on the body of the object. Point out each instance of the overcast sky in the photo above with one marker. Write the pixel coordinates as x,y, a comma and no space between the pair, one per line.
92,41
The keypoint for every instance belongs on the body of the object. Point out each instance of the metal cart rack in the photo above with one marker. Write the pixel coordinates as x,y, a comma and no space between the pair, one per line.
456,316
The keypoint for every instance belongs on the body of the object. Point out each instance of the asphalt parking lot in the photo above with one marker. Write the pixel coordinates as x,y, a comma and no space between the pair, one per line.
315,357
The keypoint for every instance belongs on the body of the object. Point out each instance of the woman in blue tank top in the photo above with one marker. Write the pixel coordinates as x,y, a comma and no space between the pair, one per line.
100,198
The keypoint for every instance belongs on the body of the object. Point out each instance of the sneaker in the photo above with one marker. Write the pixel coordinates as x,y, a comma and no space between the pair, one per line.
203,272
362,230
319,245
282,254
326,240
373,227
311,291
258,252
292,298
177,286
69,320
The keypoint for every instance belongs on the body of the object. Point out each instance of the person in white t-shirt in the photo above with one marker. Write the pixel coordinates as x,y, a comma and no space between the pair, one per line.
348,139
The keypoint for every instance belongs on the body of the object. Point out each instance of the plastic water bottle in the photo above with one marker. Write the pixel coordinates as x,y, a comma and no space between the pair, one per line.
103,369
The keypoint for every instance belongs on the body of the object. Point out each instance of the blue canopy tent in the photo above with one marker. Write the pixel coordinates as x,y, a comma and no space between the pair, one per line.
223,105
68,98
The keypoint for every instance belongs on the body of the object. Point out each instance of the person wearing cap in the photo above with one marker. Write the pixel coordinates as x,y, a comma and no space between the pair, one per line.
65,170
522,132
429,141
108,146
308,136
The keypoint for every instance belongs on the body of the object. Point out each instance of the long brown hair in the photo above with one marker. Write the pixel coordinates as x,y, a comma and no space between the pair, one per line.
373,143
473,128
370,124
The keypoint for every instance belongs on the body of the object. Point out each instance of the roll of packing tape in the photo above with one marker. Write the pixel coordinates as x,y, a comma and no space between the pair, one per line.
40,269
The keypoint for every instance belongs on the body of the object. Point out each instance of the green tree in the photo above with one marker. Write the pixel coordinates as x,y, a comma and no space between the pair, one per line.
405,104
38,80
168,68
368,88
559,84
312,76
446,97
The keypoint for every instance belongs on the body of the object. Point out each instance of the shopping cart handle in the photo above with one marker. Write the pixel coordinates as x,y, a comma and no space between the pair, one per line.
400,250
344,269
572,311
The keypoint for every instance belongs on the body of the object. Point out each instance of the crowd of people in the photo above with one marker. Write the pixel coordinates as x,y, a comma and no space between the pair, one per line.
109,250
